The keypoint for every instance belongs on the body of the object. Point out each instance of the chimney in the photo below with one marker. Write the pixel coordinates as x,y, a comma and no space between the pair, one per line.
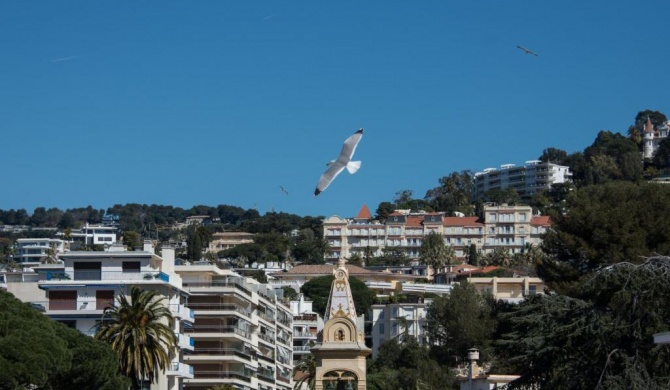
167,253
149,246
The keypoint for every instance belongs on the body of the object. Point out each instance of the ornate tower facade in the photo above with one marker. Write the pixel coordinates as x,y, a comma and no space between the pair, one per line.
340,352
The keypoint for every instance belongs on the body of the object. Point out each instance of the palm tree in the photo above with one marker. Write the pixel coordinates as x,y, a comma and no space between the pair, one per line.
140,331
50,255
435,253
307,367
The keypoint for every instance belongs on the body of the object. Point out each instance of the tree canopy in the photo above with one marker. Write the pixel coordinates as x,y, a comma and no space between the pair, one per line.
601,341
318,290
39,353
606,224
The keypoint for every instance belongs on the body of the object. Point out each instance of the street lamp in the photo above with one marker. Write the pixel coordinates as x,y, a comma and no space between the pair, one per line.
473,356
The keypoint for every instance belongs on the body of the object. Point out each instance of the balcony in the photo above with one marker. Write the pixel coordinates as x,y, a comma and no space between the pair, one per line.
185,342
181,370
230,307
215,285
304,335
202,354
239,374
117,276
217,331
300,349
182,312
267,338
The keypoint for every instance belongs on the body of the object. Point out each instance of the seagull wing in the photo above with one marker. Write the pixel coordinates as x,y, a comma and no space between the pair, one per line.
343,159
328,176
349,147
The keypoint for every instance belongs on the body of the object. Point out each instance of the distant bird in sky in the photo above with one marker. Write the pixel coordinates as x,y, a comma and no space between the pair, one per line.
283,190
343,161
527,51
64,59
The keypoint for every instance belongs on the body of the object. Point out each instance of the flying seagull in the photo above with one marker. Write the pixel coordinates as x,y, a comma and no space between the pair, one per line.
283,190
343,161
527,51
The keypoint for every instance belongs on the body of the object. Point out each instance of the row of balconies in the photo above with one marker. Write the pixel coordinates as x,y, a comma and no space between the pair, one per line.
103,275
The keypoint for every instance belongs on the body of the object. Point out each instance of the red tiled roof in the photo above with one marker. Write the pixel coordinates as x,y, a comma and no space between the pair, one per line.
648,127
413,220
540,220
364,213
462,221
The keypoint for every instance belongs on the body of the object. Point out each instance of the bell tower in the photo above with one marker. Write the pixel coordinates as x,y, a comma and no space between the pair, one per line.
340,352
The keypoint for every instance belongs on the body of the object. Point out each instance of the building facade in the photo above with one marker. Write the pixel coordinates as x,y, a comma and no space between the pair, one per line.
32,251
77,289
504,226
527,180
242,332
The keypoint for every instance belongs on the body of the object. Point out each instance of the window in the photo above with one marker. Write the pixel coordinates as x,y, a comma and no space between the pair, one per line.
131,267
381,329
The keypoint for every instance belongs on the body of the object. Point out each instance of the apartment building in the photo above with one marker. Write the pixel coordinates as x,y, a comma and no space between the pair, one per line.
31,251
226,240
504,226
94,235
527,180
395,320
242,332
306,325
76,291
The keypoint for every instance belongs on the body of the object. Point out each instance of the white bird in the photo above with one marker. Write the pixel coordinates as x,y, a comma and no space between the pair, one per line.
527,51
343,161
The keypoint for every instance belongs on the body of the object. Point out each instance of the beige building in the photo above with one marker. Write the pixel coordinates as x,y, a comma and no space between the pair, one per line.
504,226
227,240
512,289
340,351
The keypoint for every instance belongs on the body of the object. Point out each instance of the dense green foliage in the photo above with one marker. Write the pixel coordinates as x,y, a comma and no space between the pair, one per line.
318,291
404,364
39,353
458,322
604,340
606,224
140,331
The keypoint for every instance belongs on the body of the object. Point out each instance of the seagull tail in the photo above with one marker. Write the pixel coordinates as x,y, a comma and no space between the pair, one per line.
353,166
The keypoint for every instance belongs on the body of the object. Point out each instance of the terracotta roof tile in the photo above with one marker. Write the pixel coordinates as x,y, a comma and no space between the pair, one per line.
540,220
462,221
414,221
364,213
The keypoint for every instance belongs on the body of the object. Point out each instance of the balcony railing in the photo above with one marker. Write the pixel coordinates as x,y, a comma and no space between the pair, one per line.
245,354
266,338
303,335
218,329
219,283
220,307
103,275
223,375
301,348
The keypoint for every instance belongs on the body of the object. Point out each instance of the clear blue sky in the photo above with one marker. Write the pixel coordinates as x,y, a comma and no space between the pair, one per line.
221,102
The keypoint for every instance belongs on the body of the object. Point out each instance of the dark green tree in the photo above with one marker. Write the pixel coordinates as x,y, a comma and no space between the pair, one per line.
37,352
434,252
601,341
605,224
318,290
407,365
553,155
132,240
458,322
454,194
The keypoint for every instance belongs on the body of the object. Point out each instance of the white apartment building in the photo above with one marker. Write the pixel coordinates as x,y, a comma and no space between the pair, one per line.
31,251
306,325
242,332
392,320
504,226
77,290
528,179
95,235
